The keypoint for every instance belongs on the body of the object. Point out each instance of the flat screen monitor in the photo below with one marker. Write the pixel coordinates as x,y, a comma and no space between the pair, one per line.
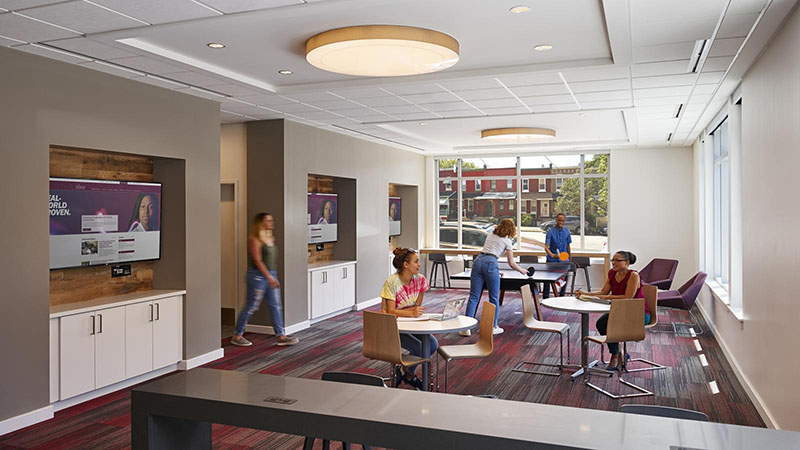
395,215
95,222
323,215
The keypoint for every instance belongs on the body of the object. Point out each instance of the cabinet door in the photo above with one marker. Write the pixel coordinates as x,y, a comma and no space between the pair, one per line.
76,349
318,293
109,346
139,338
167,343
347,287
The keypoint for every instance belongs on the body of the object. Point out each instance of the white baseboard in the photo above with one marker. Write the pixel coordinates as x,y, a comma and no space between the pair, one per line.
364,305
25,420
197,361
298,327
267,329
58,406
762,409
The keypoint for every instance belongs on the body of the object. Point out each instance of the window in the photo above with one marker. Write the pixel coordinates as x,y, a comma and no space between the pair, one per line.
721,259
559,183
477,185
470,205
494,185
533,211
448,186
510,205
542,185
463,185
509,185
501,204
525,183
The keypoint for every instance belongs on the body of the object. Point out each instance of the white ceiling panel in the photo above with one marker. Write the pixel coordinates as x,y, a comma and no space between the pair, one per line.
725,47
408,89
497,103
656,101
53,54
416,116
660,68
6,42
82,16
484,94
89,47
358,113
197,79
148,65
554,108
604,96
701,89
316,115
294,108
265,99
664,81
234,6
736,25
313,96
162,84
244,109
607,104
530,79
449,106
333,105
547,100
595,74
674,91
717,64
29,30
506,111
357,93
231,89
710,77
111,70
470,84
400,109
463,113
387,100
158,11
543,89
431,97
599,86
15,5
663,52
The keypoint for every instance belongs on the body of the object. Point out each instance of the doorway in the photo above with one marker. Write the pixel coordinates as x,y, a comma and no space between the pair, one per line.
229,257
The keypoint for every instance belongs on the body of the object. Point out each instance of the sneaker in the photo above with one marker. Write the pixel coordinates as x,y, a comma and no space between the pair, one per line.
497,330
465,333
287,340
399,377
240,341
416,382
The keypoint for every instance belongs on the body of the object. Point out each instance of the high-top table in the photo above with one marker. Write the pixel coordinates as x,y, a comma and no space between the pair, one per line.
572,304
427,328
511,280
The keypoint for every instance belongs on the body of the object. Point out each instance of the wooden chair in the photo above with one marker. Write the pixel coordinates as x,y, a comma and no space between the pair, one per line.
480,349
625,324
651,298
382,342
529,303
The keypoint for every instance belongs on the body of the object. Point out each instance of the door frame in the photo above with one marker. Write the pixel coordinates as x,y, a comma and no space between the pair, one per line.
237,242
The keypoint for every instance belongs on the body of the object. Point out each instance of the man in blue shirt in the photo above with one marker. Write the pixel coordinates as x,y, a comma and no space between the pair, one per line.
558,240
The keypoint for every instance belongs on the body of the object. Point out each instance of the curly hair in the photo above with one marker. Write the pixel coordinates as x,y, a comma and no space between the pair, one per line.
506,228
401,255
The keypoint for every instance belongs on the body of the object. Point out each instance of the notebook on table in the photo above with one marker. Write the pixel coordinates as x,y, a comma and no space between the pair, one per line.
592,298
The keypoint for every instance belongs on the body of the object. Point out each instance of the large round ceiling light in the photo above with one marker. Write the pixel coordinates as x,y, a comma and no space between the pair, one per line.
517,135
382,51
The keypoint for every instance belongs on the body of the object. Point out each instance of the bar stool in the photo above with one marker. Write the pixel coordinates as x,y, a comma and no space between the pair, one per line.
581,262
439,260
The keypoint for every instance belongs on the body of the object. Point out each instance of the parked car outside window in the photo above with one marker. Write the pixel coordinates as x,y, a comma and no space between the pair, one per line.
572,223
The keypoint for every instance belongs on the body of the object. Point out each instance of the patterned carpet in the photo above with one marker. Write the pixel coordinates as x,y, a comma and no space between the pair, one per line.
335,344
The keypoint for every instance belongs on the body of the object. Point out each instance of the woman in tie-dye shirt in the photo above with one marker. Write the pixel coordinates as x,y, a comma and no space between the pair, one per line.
402,296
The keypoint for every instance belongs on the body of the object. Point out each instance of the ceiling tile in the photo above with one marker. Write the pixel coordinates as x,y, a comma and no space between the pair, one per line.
604,96
736,25
158,11
388,100
110,70
52,54
148,65
710,78
82,16
264,99
431,97
463,113
160,83
358,112
448,106
726,47
409,89
606,104
599,86
88,47
315,115
548,100
196,79
542,89
233,6
655,101
232,89
29,30
15,5
5,42
674,91
484,94
660,68
356,93
596,73
400,109
506,111
312,96
416,116
664,81
497,103
470,84
530,79
701,89
663,52
717,64
333,105
294,108
555,107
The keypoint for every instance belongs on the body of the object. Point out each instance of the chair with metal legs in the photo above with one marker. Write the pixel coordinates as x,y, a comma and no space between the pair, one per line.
684,298
480,349
581,262
439,264
529,303
625,324
664,411
650,297
382,342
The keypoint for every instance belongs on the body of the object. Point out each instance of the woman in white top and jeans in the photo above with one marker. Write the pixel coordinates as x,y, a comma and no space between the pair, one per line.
485,271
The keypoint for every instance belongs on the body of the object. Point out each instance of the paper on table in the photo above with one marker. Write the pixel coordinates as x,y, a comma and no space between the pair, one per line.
592,298
414,319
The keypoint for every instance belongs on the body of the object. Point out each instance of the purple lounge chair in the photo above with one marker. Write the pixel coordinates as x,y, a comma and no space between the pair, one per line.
659,272
684,298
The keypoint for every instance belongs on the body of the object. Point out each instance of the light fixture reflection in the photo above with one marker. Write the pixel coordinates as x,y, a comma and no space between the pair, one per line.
520,135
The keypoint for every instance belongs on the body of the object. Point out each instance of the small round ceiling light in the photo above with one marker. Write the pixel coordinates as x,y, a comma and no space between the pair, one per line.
285,72
520,9
215,45
543,48
382,51
517,135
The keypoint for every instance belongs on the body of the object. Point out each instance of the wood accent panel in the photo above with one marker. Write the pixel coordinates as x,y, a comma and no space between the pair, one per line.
86,283
393,239
323,185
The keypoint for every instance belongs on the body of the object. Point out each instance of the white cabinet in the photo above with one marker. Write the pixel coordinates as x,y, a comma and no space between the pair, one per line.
332,289
167,332
153,335
90,356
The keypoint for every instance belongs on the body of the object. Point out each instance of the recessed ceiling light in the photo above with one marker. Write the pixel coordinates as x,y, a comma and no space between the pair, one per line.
521,9
582,114
518,135
423,123
216,45
543,48
285,72
382,51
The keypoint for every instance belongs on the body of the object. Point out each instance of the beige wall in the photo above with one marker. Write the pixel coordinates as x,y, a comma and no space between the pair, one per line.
47,102
233,168
650,201
764,346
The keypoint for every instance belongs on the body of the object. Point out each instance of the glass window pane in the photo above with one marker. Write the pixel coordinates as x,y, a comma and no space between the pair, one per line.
725,223
447,195
596,163
595,214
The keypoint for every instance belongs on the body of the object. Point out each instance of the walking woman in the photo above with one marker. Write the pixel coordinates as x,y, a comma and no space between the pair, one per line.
486,273
262,280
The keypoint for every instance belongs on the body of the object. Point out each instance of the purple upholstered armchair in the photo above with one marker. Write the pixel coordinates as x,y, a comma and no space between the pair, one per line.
659,273
684,298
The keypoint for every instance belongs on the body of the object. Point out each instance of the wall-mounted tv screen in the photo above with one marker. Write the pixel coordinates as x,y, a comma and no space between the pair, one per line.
96,222
395,215
323,210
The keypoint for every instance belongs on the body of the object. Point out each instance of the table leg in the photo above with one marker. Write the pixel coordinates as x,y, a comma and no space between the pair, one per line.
158,432
584,356
426,349
502,295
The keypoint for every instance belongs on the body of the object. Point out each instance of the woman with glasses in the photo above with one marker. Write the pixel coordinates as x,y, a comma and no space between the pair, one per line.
622,282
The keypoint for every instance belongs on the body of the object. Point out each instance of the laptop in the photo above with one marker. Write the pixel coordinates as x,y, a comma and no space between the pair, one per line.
451,310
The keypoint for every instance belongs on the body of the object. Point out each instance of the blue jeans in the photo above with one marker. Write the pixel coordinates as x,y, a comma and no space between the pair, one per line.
484,273
602,326
546,289
413,343
257,289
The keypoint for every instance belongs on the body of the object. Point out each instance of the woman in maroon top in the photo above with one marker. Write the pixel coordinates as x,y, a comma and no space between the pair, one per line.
622,282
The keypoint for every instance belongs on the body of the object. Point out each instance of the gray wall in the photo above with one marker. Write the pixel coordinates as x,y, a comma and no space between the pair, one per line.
48,102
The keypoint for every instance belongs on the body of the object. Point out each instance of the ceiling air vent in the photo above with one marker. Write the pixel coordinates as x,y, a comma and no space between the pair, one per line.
678,111
669,137
699,54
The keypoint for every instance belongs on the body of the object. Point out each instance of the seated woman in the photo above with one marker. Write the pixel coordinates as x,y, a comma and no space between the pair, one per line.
622,282
402,296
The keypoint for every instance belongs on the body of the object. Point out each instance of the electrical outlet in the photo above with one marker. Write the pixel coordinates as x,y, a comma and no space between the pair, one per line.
122,270
320,247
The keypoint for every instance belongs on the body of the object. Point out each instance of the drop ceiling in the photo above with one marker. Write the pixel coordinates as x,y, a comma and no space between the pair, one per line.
618,75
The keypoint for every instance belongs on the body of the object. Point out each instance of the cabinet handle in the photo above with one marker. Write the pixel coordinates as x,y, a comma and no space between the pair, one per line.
93,331
324,277
344,272
101,323
158,311
151,313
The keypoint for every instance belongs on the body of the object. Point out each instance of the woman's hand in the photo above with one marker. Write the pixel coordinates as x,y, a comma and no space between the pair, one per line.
417,311
579,292
273,282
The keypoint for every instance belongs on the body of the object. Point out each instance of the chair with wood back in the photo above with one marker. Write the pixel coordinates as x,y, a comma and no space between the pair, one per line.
529,303
625,324
651,298
480,349
382,342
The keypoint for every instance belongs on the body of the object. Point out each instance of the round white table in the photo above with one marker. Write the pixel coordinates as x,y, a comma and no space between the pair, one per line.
572,304
426,328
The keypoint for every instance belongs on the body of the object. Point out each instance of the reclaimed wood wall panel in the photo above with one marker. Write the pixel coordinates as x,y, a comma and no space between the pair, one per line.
323,185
